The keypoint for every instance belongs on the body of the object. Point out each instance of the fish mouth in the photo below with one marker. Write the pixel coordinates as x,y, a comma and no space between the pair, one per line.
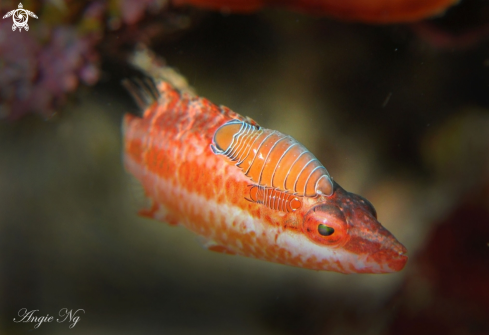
398,263
390,260
398,258
392,256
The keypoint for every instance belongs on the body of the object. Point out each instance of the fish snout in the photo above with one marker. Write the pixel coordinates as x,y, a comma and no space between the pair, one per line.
391,257
377,250
399,257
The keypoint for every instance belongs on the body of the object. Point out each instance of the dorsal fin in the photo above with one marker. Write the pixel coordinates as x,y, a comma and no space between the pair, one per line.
143,91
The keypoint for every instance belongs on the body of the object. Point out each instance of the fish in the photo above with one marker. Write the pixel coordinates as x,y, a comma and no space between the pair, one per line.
178,150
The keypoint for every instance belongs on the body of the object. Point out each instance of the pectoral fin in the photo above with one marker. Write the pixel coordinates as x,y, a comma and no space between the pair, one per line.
213,246
158,212
150,208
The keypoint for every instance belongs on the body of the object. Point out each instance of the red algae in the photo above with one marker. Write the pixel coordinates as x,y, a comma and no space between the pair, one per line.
368,11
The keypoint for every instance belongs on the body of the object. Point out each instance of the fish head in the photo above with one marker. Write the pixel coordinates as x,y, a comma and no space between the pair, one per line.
346,226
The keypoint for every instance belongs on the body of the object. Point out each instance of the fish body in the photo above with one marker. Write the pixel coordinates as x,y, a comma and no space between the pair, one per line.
171,151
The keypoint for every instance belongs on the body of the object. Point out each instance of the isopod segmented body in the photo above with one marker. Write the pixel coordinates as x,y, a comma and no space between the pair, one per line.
272,159
275,199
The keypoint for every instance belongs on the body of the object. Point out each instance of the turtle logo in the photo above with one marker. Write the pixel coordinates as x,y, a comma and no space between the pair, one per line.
20,16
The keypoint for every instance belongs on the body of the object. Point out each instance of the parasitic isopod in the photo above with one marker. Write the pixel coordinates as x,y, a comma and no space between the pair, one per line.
274,199
272,159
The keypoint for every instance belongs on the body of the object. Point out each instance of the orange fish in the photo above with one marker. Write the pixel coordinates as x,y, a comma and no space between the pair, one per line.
248,190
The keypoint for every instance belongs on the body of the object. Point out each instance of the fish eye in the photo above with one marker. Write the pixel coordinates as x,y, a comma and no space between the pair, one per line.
325,230
326,225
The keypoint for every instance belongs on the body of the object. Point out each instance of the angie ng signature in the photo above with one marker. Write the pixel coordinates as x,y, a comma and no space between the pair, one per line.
65,315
